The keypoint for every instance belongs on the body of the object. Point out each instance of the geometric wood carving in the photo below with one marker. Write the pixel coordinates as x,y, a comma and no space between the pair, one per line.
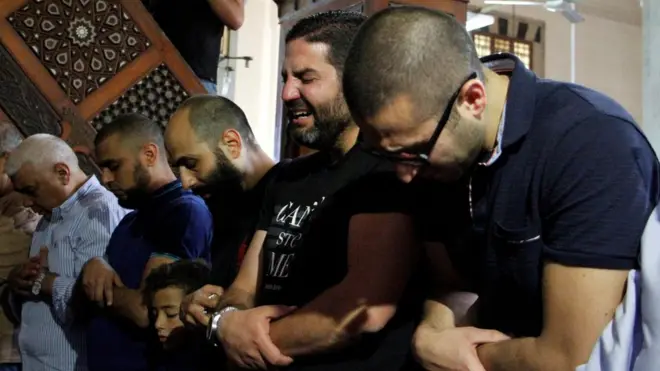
156,96
68,66
22,102
82,43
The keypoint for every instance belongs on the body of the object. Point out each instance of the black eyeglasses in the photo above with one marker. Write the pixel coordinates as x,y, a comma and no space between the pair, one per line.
420,153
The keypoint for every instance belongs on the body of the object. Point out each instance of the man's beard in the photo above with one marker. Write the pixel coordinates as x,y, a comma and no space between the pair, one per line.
224,181
330,121
137,196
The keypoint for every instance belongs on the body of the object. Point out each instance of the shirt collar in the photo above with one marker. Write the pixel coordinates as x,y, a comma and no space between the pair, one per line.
87,187
519,108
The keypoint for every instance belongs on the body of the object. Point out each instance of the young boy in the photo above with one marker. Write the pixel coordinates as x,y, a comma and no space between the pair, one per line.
165,288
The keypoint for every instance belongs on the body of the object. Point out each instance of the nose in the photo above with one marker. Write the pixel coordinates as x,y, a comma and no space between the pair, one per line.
187,179
160,322
290,91
406,172
107,177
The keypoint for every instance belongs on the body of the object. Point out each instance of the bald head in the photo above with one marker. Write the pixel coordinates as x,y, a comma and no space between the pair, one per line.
42,151
413,52
209,116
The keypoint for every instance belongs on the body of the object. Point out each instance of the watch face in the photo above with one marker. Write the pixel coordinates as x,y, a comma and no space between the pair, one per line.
36,288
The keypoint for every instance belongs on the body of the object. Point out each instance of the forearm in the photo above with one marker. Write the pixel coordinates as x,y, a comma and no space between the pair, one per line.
522,354
128,304
450,309
330,321
230,12
236,297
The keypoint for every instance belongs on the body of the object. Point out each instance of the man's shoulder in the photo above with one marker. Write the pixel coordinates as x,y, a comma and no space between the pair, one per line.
564,106
569,115
188,204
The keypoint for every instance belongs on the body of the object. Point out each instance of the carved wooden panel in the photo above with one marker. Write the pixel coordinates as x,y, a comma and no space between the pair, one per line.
156,95
69,66
81,43
22,102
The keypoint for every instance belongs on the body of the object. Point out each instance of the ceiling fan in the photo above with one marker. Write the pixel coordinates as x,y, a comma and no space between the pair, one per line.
565,7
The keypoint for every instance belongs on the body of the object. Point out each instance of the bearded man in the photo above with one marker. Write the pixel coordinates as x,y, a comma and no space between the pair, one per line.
168,223
334,238
212,147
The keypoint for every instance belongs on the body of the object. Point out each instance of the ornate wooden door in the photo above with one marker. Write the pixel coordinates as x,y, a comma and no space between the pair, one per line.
68,67
291,11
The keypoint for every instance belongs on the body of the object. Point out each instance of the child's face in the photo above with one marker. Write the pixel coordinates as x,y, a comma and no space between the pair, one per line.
166,307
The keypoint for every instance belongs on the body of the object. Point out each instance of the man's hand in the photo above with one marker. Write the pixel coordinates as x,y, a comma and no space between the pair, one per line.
196,307
244,335
452,349
98,279
21,277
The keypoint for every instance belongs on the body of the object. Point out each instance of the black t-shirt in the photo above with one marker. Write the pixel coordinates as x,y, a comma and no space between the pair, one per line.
306,215
235,219
194,29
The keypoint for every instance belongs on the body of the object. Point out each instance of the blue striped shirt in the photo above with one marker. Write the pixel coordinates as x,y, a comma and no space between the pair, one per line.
75,232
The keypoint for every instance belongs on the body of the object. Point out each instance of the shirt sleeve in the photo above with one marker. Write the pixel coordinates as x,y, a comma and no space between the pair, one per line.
599,187
188,233
94,235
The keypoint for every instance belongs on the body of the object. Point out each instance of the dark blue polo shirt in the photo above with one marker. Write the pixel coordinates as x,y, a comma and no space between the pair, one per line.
174,222
573,181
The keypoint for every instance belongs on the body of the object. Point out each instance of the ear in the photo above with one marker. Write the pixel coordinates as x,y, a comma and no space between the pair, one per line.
234,143
63,173
472,98
150,154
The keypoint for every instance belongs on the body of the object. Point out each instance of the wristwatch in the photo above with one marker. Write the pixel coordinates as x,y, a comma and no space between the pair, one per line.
36,285
215,322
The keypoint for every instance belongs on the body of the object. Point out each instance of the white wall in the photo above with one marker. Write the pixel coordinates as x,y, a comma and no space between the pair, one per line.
255,87
608,54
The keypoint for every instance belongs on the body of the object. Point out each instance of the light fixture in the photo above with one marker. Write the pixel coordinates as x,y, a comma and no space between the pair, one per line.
476,21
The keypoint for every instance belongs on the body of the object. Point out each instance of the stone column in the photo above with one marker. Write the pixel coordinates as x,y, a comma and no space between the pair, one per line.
651,71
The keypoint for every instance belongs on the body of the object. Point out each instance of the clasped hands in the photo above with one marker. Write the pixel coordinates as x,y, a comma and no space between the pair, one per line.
22,277
244,334
453,348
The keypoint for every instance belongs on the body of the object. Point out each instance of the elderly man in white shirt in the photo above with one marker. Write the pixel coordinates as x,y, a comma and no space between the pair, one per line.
79,217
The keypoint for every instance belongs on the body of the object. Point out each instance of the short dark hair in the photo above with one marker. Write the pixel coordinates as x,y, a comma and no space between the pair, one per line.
133,128
423,53
188,275
335,28
10,137
210,115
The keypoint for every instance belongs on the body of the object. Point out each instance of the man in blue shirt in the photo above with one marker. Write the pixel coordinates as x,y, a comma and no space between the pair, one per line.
555,181
169,223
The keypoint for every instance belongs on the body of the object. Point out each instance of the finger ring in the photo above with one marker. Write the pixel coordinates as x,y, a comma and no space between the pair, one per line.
212,296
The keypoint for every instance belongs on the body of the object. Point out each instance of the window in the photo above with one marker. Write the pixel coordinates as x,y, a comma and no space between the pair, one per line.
487,43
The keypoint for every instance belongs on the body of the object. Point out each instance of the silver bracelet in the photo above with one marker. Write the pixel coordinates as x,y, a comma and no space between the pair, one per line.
214,323
36,285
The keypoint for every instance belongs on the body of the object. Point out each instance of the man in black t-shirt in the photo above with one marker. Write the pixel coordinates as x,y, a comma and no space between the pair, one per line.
334,239
212,147
555,184
195,28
